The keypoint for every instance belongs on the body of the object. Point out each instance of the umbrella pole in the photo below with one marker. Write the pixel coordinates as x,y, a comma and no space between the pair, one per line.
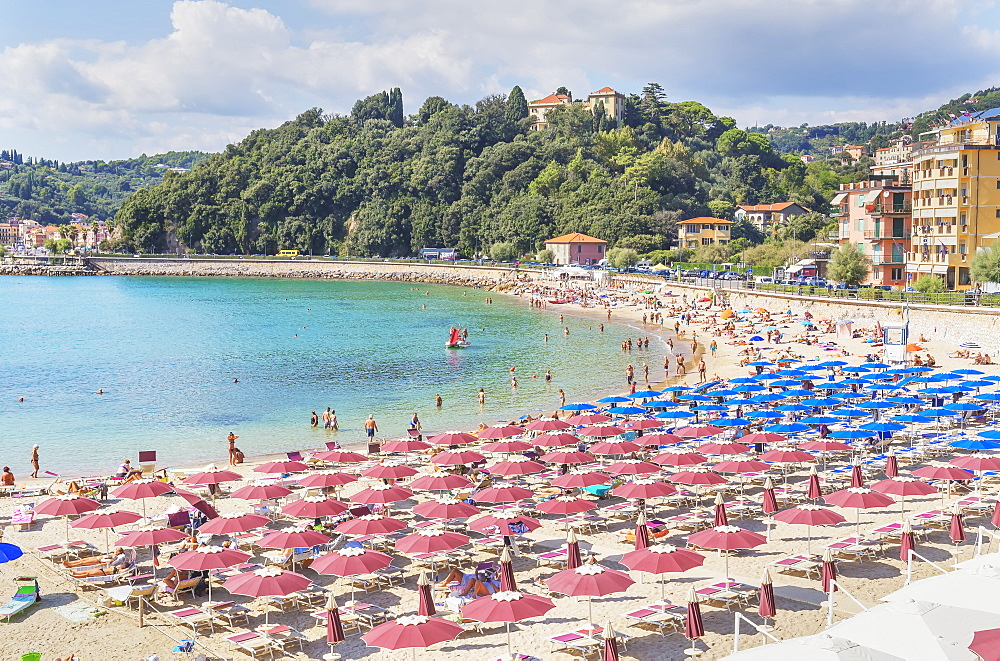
590,612
857,529
510,652
809,536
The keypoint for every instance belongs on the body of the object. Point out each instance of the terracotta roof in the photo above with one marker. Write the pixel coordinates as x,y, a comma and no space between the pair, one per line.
766,207
604,90
551,99
575,237
705,219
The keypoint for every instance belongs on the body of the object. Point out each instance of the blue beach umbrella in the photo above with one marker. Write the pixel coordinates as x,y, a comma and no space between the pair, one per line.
723,392
709,408
968,372
938,412
769,415
963,406
761,363
876,406
658,404
744,379
787,428
731,422
912,418
9,552
791,373
577,407
694,397
765,398
820,420
854,369
674,415
879,376
855,381
992,434
750,387
823,401
785,383
809,367
830,385
852,434
645,394
988,397
975,444
850,395
850,413
880,387
833,363
676,389
876,366
613,400
883,426
977,383
793,408
626,410
799,392
788,360
756,338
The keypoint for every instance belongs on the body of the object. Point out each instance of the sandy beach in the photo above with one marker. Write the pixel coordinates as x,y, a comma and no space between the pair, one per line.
113,632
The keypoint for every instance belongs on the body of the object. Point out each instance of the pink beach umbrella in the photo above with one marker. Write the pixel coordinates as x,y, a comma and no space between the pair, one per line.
610,652
505,431
291,538
150,537
405,445
579,479
431,540
741,466
565,505
327,479
643,489
266,582
341,456
726,538
680,459
614,447
453,438
787,456
260,492
589,580
828,572
389,472
381,494
956,530
412,632
314,507
588,419
441,482
659,438
573,557
769,503
720,511
644,423
697,477
986,644
859,498
66,505
903,486
554,440
105,520
602,432
278,467
228,524
698,431
457,458
212,476
694,628
141,489
547,424
207,558
425,603
907,542
814,491
350,561
504,494
370,524
507,447
809,516
761,437
507,607
507,582
943,473
824,446
334,627
977,462
662,559
445,508
633,467
567,457
891,465
857,477
641,533
505,523
723,448
514,466
766,607
995,518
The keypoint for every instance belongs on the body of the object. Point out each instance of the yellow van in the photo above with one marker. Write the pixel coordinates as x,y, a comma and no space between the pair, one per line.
288,253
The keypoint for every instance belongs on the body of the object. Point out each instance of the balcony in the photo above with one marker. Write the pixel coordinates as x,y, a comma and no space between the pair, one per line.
889,260
879,208
881,235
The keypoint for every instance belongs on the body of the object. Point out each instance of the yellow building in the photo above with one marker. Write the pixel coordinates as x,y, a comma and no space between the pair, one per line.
703,231
956,197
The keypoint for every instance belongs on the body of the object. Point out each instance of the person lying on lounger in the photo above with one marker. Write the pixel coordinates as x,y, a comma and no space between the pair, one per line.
469,584
116,559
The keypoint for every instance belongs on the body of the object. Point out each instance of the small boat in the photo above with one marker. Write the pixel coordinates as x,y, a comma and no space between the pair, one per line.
559,300
456,341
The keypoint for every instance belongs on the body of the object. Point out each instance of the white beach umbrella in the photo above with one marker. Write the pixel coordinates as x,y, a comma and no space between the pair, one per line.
974,588
821,647
917,630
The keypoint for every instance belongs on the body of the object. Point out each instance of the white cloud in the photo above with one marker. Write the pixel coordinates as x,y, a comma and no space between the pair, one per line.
224,69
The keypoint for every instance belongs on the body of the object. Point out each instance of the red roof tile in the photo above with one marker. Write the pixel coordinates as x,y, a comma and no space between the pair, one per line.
575,237
705,219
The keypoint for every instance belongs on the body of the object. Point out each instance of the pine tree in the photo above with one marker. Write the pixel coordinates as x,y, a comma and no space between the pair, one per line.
517,105
396,107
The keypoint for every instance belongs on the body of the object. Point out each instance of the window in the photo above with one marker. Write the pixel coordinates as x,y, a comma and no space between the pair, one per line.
708,227
579,248
692,229
897,274
706,242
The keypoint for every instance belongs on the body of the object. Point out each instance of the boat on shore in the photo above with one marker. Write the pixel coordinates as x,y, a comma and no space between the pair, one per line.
458,339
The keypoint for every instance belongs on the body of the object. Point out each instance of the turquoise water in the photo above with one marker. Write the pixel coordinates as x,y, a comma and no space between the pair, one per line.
166,350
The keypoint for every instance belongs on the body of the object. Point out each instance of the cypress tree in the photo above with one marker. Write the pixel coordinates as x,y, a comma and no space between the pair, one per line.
517,105
396,107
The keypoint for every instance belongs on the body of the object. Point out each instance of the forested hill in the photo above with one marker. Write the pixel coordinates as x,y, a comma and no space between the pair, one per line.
379,183
49,191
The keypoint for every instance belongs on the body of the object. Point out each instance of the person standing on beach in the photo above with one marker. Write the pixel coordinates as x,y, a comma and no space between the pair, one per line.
34,462
326,418
713,347
666,366
702,371
562,398
314,420
645,372
681,369
629,373
371,426
333,421
232,448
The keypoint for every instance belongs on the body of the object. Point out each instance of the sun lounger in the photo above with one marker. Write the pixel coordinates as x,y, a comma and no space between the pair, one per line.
26,596
284,637
253,643
665,617
195,618
798,563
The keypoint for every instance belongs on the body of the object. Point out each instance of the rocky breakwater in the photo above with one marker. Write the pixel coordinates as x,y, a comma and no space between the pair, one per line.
487,277
43,269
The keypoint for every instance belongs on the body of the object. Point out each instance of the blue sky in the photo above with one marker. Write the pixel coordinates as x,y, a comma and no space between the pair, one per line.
113,79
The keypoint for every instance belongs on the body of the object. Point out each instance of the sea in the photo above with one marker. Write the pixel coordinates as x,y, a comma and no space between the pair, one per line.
181,362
